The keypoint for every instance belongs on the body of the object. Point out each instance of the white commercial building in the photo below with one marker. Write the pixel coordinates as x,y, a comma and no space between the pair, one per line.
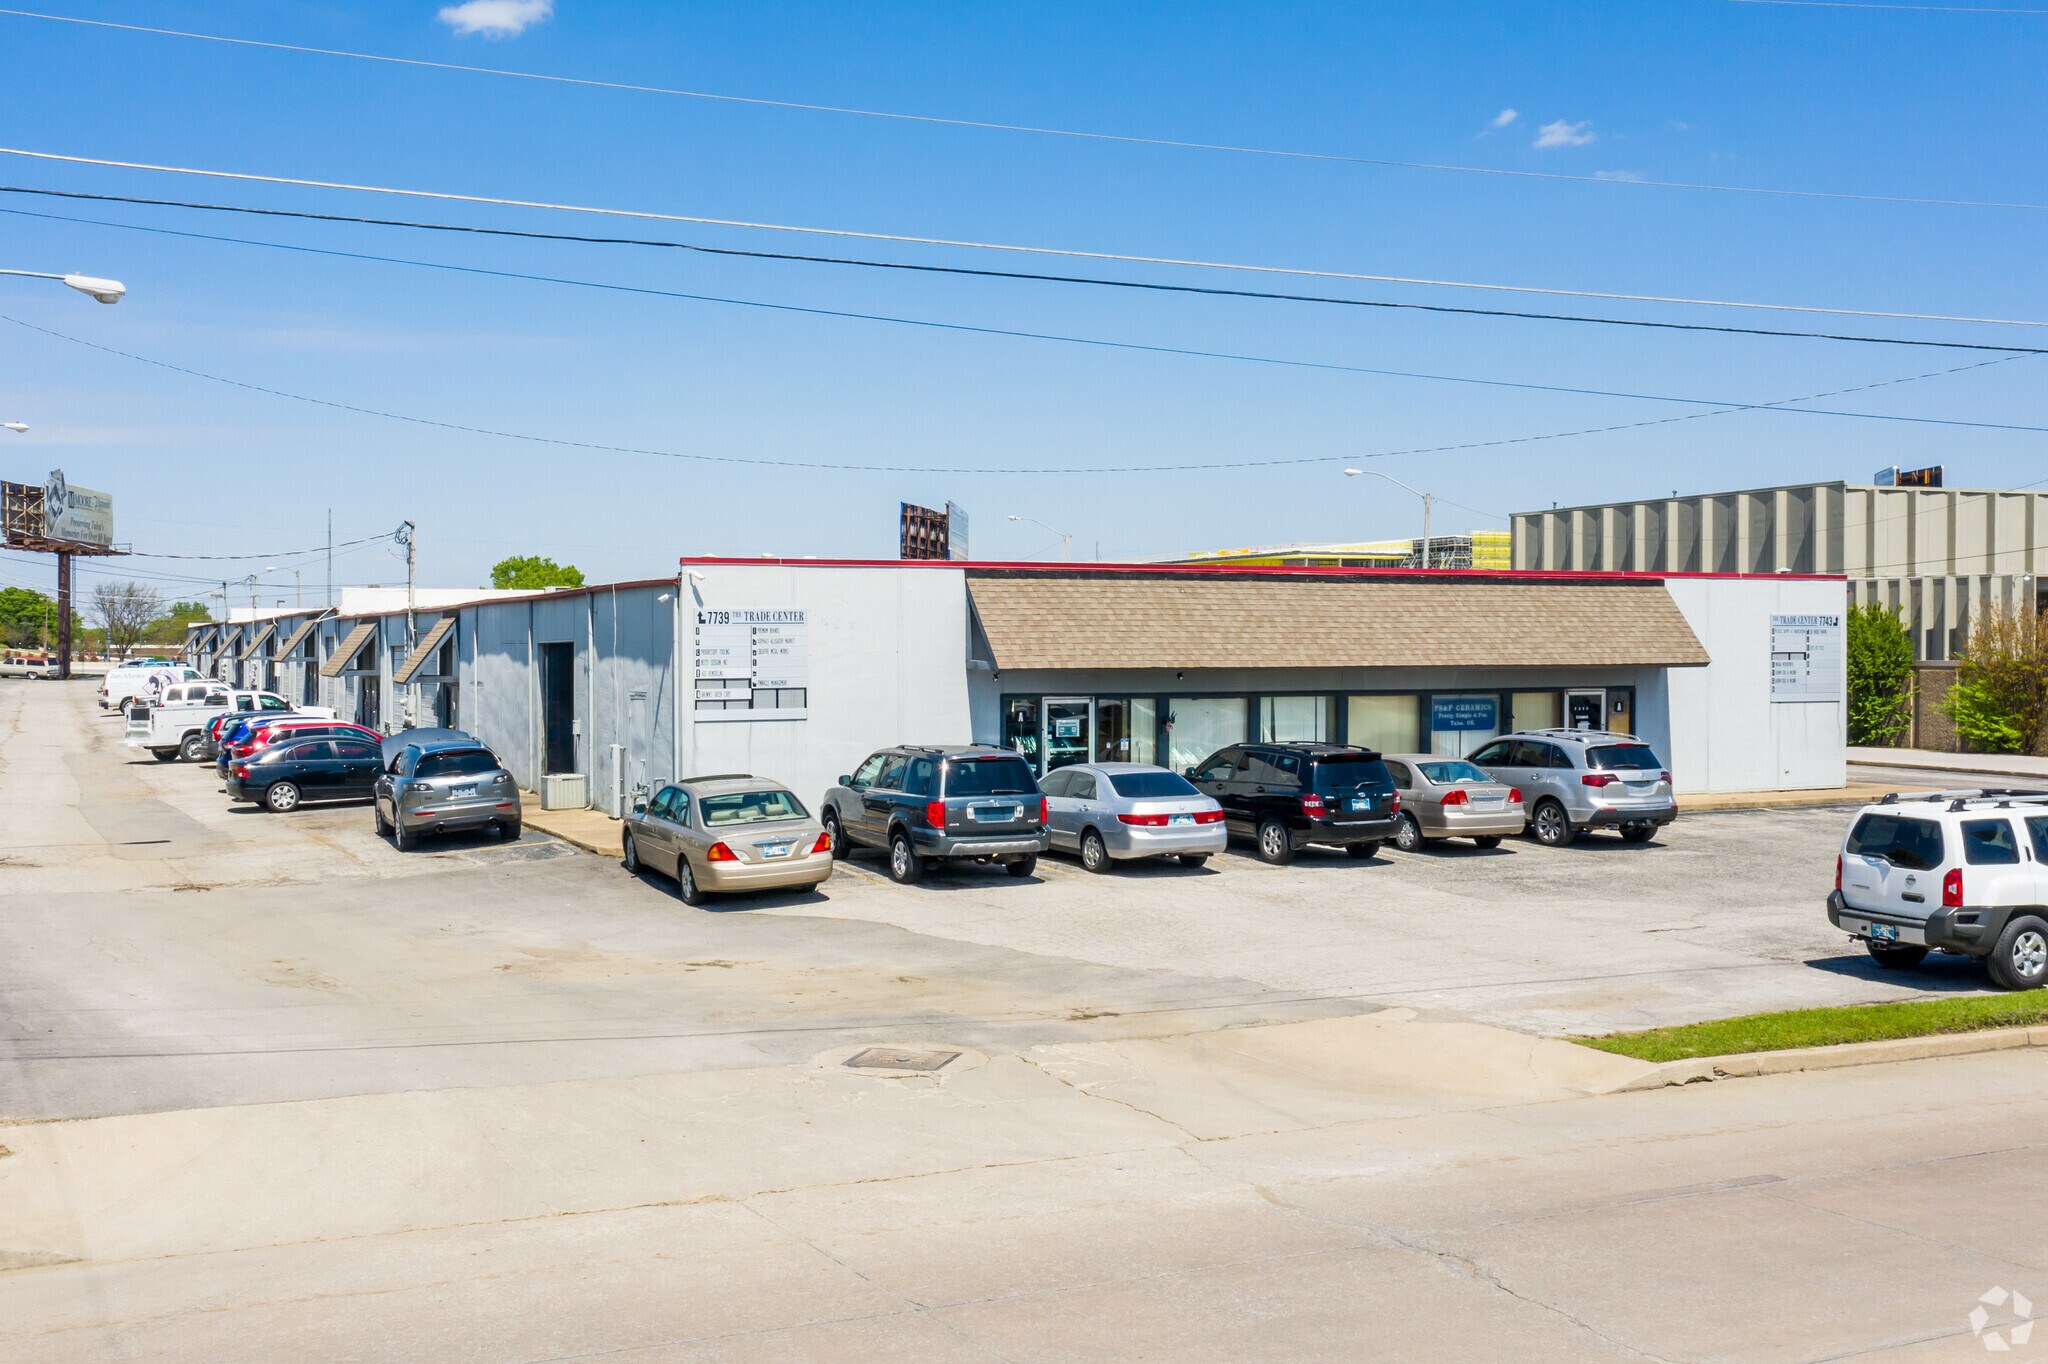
797,669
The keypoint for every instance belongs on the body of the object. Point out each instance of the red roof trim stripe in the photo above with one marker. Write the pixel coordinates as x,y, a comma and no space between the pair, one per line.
1246,570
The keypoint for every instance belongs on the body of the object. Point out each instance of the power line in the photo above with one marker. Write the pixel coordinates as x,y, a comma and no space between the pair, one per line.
1036,470
1179,144
1863,4
1040,336
280,554
1203,290
1065,253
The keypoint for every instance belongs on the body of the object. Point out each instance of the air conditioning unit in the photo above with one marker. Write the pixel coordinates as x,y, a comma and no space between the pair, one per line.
564,791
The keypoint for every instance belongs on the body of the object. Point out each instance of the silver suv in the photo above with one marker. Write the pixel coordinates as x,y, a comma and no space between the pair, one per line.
438,788
1573,780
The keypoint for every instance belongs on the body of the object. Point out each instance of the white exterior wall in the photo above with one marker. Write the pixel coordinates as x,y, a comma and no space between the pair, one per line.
887,665
1726,732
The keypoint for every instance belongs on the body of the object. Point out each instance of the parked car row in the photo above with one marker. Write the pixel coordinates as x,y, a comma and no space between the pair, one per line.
924,805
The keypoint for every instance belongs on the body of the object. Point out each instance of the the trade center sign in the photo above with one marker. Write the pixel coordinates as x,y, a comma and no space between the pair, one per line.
751,665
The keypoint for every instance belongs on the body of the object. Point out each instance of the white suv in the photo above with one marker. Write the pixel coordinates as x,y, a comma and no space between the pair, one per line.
1962,871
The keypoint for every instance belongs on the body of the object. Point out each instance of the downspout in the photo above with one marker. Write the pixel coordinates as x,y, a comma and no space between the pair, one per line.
532,702
675,668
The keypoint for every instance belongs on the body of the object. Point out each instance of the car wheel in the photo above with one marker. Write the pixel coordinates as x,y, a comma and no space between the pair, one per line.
905,866
1408,834
837,835
192,749
2020,961
164,755
1361,851
509,831
1028,863
632,857
1550,824
1094,855
281,797
1896,958
1637,833
1194,861
1486,840
686,882
1276,844
383,824
403,838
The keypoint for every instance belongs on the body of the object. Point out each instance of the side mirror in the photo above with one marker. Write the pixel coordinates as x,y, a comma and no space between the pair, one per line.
639,807
1188,772
845,780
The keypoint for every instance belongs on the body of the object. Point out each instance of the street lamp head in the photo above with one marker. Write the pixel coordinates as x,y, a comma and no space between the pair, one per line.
1353,473
1016,518
104,290
18,428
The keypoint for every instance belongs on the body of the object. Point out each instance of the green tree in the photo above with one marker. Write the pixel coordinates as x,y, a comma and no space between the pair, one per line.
1880,674
531,572
2000,698
26,617
169,628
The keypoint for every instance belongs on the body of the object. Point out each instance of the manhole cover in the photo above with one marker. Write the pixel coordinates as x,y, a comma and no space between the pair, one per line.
900,1058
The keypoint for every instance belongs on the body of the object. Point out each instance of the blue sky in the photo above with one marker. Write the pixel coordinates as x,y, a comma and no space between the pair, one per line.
1835,99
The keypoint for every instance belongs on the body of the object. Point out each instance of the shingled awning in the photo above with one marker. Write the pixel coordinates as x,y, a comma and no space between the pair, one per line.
1104,620
332,665
296,638
429,642
256,639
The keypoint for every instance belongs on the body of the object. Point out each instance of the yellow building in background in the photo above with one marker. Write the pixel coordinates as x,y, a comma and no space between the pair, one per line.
1488,549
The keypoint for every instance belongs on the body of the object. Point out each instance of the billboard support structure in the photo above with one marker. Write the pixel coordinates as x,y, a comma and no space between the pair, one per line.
25,525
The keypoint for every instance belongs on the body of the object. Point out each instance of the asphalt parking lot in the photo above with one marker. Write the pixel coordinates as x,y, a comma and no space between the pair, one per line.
143,917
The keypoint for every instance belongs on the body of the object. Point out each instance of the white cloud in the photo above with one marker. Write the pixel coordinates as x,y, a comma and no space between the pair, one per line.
1564,134
1627,177
1504,118
496,18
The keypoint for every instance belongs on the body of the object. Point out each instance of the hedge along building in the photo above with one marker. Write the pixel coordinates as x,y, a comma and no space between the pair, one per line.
797,669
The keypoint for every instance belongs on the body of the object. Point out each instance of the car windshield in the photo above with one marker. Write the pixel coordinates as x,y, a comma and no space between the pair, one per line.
989,777
473,762
1623,758
1140,785
1452,774
1346,771
1915,844
749,807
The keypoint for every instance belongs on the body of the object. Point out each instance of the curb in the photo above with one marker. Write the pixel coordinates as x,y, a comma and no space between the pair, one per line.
1700,1069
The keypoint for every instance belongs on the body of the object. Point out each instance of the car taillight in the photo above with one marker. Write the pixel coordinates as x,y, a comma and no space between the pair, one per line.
720,853
1597,779
241,773
824,844
1457,797
1143,821
1312,805
1514,795
1952,889
1208,816
1838,871
935,813
1664,777
1044,810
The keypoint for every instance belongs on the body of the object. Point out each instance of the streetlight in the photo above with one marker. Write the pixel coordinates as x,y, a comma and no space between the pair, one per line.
104,290
1427,500
18,428
1065,538
298,596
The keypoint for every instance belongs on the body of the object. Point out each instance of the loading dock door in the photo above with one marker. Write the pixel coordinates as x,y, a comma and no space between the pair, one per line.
558,707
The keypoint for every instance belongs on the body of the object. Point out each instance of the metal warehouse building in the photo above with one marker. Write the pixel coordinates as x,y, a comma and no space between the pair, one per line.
796,669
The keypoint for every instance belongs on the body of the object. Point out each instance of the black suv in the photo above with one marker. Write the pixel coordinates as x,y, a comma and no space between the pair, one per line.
1281,795
921,803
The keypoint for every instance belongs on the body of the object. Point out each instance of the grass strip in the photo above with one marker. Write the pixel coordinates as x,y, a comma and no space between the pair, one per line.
1827,1027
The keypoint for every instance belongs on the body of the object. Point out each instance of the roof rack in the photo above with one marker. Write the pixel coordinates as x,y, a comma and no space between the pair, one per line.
1565,732
1960,798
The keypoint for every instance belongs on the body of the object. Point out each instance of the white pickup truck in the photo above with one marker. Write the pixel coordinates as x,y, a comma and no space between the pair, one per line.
179,730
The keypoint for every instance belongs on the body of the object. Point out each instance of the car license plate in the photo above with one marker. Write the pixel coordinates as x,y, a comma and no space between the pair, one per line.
1884,932
776,849
463,793
994,814
1361,803
1181,819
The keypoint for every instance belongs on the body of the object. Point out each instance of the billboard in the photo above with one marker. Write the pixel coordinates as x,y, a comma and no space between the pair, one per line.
922,534
82,516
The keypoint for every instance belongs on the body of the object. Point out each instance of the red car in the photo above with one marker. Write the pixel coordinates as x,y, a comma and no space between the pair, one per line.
305,727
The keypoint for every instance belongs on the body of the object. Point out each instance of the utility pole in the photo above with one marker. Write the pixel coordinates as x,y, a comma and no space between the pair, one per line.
63,614
330,556
407,534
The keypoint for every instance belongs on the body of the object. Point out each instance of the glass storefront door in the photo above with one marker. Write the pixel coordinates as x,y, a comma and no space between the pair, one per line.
1585,709
1113,730
1069,730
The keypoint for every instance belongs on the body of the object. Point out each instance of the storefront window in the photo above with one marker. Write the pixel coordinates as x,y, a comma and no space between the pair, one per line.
1020,726
1198,726
1297,719
1458,725
1386,724
1067,731
1535,710
1144,730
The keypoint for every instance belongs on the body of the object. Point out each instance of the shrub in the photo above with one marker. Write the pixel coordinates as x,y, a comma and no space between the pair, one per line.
1880,669
2000,699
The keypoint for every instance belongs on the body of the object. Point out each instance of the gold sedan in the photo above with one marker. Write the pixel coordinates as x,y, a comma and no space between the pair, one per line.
728,833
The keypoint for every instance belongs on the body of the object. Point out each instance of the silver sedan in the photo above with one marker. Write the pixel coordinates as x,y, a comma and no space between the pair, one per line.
1115,812
1450,798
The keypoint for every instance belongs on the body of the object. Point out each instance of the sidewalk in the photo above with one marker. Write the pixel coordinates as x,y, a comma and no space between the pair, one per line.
1855,793
591,830
1990,764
